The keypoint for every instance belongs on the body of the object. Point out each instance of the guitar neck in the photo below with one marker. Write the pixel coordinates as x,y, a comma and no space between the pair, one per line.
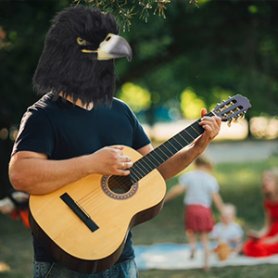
166,150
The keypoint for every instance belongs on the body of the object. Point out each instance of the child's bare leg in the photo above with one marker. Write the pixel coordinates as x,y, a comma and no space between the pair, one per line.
192,242
205,242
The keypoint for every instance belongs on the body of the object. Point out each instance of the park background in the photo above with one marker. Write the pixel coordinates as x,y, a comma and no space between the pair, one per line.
187,55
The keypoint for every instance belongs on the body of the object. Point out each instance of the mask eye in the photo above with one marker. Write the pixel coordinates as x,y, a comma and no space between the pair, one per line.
108,38
81,41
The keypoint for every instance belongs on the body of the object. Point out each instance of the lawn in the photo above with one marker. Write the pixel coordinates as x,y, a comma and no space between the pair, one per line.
240,185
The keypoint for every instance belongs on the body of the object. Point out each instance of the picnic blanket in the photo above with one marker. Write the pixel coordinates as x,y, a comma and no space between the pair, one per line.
177,256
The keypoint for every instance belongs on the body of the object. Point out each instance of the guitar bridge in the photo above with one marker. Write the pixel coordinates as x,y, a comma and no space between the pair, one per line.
82,215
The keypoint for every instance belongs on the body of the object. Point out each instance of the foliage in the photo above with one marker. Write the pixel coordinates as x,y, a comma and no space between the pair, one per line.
137,97
222,46
24,36
216,48
191,105
126,10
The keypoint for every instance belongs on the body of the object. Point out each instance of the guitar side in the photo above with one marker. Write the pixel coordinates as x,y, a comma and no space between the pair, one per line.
114,214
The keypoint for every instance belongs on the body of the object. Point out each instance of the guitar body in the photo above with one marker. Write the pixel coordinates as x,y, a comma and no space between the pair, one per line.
86,222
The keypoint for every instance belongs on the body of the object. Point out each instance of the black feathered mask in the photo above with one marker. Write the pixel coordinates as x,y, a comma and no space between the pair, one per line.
78,56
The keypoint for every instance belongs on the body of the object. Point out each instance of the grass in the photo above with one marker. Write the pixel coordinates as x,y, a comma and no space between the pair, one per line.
240,185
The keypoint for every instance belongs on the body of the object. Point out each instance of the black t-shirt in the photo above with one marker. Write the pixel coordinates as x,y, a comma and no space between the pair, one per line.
62,130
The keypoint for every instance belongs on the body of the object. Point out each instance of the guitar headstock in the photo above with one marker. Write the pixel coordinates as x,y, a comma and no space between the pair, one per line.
233,108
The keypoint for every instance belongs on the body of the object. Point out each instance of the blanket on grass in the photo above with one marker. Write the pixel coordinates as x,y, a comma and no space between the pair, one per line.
177,256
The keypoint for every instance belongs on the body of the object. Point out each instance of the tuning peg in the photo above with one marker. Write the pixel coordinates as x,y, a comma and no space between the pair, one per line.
229,123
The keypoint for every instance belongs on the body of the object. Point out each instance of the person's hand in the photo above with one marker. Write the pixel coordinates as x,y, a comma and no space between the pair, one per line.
211,126
253,234
111,161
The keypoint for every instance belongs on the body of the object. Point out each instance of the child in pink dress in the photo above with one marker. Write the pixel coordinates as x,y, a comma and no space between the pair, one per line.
201,189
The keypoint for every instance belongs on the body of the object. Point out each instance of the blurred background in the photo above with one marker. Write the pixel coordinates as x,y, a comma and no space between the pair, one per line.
187,55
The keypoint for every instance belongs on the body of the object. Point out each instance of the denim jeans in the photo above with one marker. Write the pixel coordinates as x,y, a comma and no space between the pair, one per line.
126,269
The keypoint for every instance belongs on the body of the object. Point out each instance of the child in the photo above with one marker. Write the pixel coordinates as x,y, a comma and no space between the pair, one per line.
265,242
201,188
16,205
227,233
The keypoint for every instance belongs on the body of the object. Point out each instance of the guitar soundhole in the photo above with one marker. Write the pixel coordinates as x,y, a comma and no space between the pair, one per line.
118,187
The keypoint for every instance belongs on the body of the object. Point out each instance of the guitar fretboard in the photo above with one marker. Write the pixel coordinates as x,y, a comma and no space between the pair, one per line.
166,150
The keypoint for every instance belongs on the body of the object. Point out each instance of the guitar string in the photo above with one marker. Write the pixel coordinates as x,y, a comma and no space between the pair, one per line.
159,149
192,127
177,142
84,200
122,178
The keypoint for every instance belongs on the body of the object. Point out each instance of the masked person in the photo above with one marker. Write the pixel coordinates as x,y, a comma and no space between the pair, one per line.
78,128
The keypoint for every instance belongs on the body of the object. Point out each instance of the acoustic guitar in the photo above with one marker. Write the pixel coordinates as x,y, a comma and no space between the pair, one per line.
86,222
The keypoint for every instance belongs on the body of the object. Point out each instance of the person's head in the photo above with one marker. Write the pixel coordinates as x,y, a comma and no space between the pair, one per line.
228,213
203,163
270,183
78,56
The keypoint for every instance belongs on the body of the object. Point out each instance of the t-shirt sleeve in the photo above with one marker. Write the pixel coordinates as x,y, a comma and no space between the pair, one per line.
139,138
35,134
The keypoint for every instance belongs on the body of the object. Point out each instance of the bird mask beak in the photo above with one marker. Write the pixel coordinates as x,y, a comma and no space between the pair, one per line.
112,47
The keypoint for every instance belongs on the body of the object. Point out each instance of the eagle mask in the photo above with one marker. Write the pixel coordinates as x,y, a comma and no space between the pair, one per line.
78,56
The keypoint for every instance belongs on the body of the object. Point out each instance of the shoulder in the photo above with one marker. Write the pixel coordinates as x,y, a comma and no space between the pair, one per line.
38,111
123,108
43,105
210,180
237,226
185,177
270,207
118,103
237,229
218,225
209,176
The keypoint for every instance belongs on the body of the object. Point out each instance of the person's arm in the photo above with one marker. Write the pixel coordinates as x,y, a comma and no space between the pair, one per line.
262,232
183,158
270,239
174,192
217,201
33,173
